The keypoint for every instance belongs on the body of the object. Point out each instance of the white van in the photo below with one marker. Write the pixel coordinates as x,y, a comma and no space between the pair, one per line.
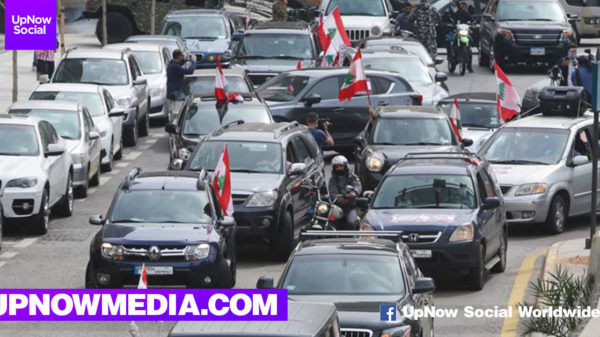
587,23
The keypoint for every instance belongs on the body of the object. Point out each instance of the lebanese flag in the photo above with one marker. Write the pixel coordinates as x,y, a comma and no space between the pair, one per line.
234,97
455,119
222,183
332,55
248,18
299,65
507,98
356,81
220,83
143,283
333,26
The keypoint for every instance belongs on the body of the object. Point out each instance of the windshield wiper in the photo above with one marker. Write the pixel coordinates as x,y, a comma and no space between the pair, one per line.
518,162
363,14
251,57
384,143
67,137
288,57
132,220
423,143
246,171
191,134
212,38
477,126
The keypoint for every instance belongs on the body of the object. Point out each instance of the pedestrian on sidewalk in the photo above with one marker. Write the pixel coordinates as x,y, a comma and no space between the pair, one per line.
425,18
45,62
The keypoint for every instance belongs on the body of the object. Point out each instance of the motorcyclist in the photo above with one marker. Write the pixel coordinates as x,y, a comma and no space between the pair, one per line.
341,177
456,13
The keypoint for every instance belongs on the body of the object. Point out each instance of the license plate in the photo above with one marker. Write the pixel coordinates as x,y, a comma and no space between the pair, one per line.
537,51
154,270
421,253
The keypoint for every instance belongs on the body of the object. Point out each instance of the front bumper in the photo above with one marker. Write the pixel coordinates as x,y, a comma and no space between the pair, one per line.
21,202
448,257
159,107
80,174
527,208
511,52
129,118
256,222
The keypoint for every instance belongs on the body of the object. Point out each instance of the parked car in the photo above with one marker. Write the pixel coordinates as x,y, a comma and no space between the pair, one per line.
169,222
450,211
201,115
100,104
268,164
368,273
120,74
292,95
36,172
74,124
273,47
170,41
153,61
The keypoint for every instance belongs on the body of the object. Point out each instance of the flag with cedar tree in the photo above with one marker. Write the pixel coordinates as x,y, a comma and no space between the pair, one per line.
221,87
222,183
355,81
455,119
507,97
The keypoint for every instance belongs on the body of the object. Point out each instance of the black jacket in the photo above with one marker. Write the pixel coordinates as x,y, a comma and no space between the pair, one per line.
338,183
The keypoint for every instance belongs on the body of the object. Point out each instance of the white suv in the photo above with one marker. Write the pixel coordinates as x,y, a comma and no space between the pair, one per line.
35,171
362,19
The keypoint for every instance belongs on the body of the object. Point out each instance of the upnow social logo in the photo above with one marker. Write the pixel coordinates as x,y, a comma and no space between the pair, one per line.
387,312
30,27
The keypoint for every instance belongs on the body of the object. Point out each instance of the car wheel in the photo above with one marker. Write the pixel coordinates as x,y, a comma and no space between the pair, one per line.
484,59
476,277
119,154
145,128
557,215
131,135
118,27
283,242
95,180
40,223
109,166
1,228
65,207
90,281
500,267
228,278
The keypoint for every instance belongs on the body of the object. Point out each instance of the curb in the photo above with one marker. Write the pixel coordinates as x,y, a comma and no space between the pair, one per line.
551,258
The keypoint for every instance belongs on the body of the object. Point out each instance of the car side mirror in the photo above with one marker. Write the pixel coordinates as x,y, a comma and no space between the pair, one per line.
55,150
297,169
491,203
394,14
228,221
572,17
423,285
44,79
93,135
177,164
362,202
441,77
368,194
438,60
358,140
312,99
579,160
170,128
140,81
116,112
226,57
265,282
96,220
466,142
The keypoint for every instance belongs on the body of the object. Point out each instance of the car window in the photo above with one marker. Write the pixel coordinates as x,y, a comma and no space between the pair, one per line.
66,122
411,69
581,144
244,156
283,87
134,67
412,131
201,120
149,61
166,56
208,28
328,88
483,193
206,84
44,134
92,70
488,184
91,100
379,85
277,45
302,152
290,155
19,140
108,100
86,124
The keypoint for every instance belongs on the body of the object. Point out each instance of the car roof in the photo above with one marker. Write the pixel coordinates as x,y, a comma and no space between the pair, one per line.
551,122
134,46
166,180
211,72
386,40
196,12
153,38
351,245
73,87
304,320
262,132
94,53
271,26
320,72
427,165
409,111
19,119
46,104
472,96
388,52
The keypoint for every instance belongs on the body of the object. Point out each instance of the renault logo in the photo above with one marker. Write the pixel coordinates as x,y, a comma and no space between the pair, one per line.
154,253
413,237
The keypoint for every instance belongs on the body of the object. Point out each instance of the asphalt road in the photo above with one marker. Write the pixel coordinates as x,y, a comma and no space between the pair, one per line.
58,259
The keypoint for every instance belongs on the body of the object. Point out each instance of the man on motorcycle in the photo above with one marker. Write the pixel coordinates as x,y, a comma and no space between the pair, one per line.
341,177
456,13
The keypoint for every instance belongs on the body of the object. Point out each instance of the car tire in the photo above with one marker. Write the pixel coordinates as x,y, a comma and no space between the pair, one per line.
283,242
500,267
109,166
476,277
90,281
229,277
41,220
119,27
145,128
119,154
65,206
484,59
95,180
131,134
557,215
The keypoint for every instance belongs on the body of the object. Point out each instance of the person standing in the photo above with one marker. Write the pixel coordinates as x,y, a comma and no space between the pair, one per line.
425,18
402,22
280,10
323,137
44,60
176,71
582,76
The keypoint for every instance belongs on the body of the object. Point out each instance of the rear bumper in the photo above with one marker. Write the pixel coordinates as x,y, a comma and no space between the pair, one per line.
511,52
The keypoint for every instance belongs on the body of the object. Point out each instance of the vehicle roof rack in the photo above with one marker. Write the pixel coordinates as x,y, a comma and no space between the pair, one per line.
281,25
248,96
131,176
227,126
284,128
469,156
305,235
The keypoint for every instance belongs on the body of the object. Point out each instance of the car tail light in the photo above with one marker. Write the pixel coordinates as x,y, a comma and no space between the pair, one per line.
417,98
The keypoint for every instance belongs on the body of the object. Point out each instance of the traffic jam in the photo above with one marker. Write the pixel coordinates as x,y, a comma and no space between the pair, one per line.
327,138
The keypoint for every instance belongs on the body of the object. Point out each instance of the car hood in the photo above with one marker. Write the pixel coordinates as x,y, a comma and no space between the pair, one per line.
415,219
118,91
477,135
393,153
254,182
522,174
364,22
207,46
18,167
73,145
157,233
543,25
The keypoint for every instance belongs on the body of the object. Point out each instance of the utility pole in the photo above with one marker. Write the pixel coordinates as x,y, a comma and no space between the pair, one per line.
61,11
153,18
15,90
104,29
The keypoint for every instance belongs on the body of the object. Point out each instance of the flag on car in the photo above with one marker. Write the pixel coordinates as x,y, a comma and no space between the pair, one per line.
248,18
299,65
234,97
222,183
332,55
355,81
220,83
333,26
143,283
455,119
507,98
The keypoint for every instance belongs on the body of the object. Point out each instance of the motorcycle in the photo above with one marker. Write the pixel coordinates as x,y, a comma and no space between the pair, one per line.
460,53
329,215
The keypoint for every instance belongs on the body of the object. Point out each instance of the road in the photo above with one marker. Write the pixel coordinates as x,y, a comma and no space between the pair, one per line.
58,259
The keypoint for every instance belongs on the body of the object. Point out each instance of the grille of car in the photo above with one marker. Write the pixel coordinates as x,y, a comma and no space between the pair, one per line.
356,333
239,199
357,34
421,237
153,253
258,79
537,38
505,188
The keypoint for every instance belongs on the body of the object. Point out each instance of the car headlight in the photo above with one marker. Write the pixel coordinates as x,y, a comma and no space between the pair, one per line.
77,158
198,252
464,232
463,32
110,251
374,162
184,153
322,209
158,91
124,102
365,227
567,35
376,30
23,182
507,33
263,199
403,331
529,189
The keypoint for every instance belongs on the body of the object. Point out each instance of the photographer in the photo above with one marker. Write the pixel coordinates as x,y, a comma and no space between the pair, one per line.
582,76
176,71
321,136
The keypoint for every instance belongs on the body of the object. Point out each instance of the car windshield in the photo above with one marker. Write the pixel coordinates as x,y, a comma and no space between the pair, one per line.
92,101
206,84
205,119
196,28
530,11
411,69
426,191
357,7
248,157
293,46
66,122
412,131
354,274
525,146
149,61
481,115
282,88
161,206
412,47
584,3
95,71
18,140
170,44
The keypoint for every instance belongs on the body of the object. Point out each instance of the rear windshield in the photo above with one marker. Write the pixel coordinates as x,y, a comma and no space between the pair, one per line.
201,120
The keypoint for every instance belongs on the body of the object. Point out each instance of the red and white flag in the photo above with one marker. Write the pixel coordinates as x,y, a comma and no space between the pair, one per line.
248,18
333,26
234,97
143,283
221,86
356,80
507,98
222,183
332,55
299,65
455,119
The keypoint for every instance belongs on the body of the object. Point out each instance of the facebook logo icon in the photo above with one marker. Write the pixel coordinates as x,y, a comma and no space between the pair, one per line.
387,312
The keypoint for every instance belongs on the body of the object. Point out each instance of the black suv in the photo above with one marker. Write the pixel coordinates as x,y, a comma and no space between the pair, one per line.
524,31
359,274
269,163
397,131
201,115
292,95
273,47
168,221
450,211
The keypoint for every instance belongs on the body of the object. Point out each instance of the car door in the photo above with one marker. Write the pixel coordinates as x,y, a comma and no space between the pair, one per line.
303,199
485,217
117,122
581,175
141,91
329,108
294,185
497,219
90,144
52,164
488,25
